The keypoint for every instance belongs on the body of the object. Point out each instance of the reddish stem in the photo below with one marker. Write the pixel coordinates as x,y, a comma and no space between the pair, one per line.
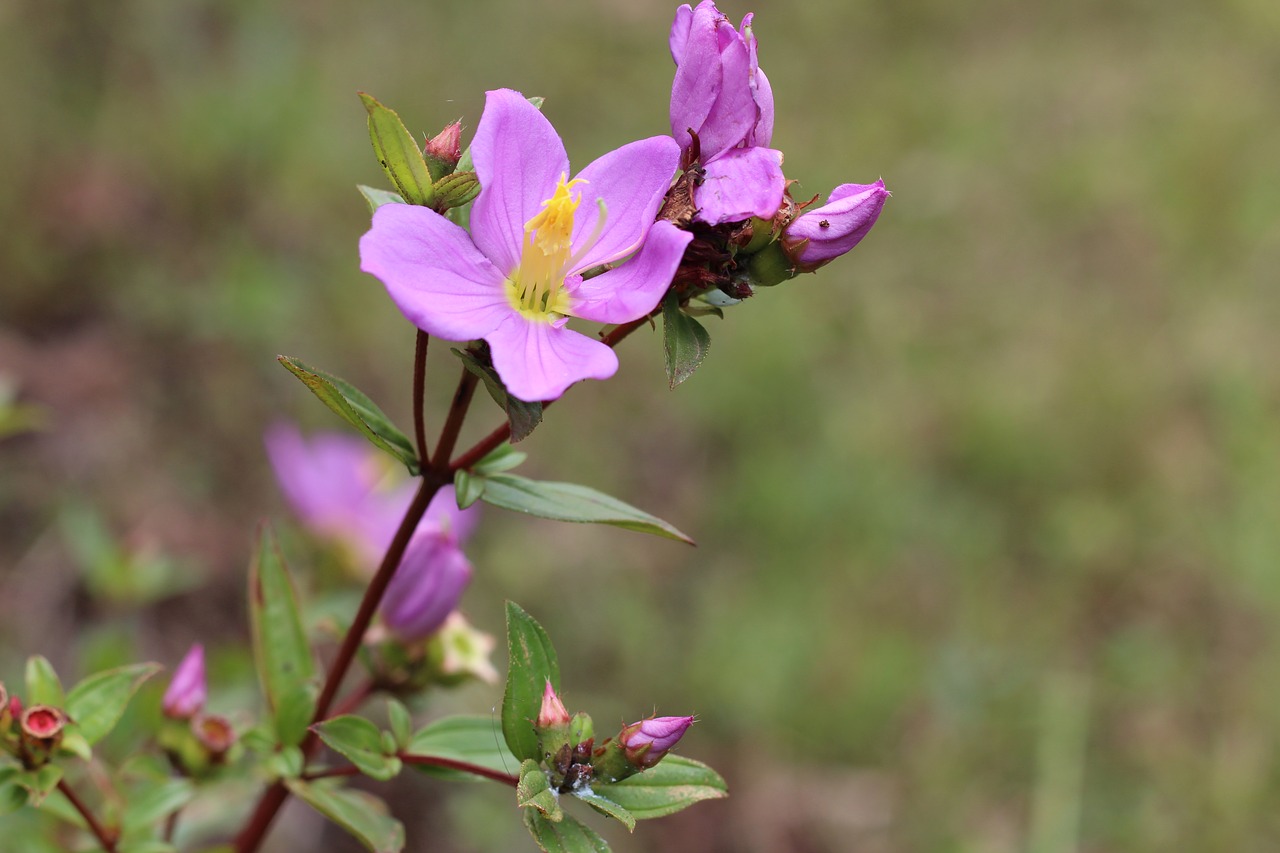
106,837
473,769
453,426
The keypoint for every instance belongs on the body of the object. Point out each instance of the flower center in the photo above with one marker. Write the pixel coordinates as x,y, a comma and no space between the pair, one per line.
536,288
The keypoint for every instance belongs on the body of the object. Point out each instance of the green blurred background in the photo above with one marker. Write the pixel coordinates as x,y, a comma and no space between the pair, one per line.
987,511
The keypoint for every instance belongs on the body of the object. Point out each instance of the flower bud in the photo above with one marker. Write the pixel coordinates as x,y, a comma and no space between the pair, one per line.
443,151
187,691
41,733
215,734
646,742
427,586
820,235
553,713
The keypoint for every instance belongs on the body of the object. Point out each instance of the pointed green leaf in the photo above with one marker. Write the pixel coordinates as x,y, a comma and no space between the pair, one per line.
685,340
674,783
350,404
286,669
401,722
571,502
363,815
154,800
523,416
376,198
398,153
96,704
43,686
39,783
606,806
467,739
567,836
504,457
456,189
467,489
535,791
532,661
361,742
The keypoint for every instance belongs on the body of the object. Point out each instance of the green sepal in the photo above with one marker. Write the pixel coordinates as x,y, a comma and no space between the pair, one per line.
43,685
684,339
470,739
98,702
399,155
376,198
674,783
571,502
363,815
37,784
608,807
286,668
532,662
354,407
455,190
535,791
362,743
567,836
771,266
522,415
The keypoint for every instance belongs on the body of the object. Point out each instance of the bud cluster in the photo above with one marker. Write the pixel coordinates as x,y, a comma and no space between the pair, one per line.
33,733
195,741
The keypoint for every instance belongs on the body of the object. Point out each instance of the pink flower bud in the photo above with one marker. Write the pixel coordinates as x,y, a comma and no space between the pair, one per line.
426,588
646,742
187,691
215,734
41,732
553,712
446,146
825,233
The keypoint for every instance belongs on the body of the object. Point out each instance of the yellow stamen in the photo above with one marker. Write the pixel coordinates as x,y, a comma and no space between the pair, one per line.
537,286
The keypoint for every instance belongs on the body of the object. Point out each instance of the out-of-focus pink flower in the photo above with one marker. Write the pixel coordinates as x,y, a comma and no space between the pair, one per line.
824,233
187,690
516,279
432,576
721,95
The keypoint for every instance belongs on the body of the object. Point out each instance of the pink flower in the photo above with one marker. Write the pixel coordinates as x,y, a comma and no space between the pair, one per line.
187,690
721,95
516,279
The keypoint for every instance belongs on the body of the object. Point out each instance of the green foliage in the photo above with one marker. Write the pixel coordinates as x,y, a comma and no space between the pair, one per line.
354,407
376,198
361,814
523,416
531,664
564,836
43,686
674,783
286,668
398,153
468,739
362,743
98,702
685,341
534,791
608,807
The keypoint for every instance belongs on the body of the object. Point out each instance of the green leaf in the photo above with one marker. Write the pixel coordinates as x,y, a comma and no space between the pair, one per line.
532,661
153,801
535,790
504,457
39,783
98,702
287,763
674,783
363,815
398,153
606,806
685,340
351,404
567,836
361,742
571,502
286,669
456,189
401,722
467,489
43,686
464,738
376,198
147,846
523,416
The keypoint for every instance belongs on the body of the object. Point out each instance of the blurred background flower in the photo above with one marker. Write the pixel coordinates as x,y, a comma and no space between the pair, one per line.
985,510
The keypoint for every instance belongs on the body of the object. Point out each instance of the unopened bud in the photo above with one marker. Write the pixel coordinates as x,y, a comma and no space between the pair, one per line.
818,236
552,713
646,742
188,690
443,151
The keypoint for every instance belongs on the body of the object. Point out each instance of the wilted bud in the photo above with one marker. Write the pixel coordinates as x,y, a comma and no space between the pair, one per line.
41,732
552,713
820,235
187,691
646,742
215,734
444,150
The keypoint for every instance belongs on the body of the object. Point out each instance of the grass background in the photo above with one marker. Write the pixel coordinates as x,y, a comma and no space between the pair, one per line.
987,511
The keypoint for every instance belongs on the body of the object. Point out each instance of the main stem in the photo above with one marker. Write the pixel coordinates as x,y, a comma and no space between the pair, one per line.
105,836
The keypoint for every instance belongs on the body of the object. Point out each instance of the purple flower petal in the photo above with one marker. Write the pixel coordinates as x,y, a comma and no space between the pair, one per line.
835,227
739,184
538,361
326,480
519,158
680,31
698,78
443,514
632,180
433,272
734,113
426,587
633,289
